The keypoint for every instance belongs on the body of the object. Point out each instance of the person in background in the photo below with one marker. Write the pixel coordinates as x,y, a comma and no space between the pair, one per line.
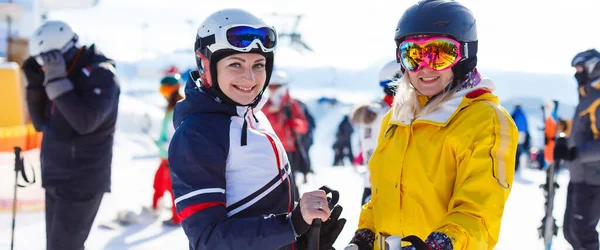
288,121
307,140
581,151
342,147
520,120
169,88
73,97
368,118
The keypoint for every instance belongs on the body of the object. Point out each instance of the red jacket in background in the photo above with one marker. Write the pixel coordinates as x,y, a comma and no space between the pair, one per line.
283,125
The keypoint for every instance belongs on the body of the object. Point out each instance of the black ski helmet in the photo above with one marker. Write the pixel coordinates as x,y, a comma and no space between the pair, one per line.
591,68
446,18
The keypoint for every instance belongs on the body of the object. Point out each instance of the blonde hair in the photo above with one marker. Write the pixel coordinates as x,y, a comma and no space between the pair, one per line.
406,106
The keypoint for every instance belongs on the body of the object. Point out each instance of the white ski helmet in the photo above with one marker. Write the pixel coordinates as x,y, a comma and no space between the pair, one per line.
389,73
279,77
52,35
227,32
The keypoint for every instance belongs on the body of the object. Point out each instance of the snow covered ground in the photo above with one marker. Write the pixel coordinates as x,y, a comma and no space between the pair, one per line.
135,162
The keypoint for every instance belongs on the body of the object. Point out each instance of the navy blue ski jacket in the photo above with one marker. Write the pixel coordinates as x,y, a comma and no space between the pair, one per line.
585,136
231,176
78,125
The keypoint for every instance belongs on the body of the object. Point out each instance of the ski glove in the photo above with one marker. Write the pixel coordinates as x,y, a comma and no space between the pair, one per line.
34,73
562,150
330,230
55,74
435,241
363,240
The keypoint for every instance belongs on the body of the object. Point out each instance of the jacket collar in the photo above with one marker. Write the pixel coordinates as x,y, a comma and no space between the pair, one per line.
468,93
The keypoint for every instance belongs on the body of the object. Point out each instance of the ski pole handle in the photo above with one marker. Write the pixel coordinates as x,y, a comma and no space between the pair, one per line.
314,233
335,196
18,166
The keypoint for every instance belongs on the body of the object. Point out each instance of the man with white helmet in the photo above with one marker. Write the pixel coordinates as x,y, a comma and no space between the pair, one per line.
72,97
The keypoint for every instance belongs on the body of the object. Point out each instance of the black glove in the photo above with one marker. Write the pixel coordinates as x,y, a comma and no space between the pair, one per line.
330,230
33,73
364,239
562,150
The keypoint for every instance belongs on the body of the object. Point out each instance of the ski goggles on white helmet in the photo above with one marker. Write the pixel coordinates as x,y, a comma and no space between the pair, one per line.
243,38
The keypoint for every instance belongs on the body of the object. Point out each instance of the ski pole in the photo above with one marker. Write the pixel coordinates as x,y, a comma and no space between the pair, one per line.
18,167
314,232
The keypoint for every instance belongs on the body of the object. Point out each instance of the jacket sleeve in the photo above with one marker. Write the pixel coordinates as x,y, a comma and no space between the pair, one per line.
588,152
484,176
85,112
300,122
199,185
35,94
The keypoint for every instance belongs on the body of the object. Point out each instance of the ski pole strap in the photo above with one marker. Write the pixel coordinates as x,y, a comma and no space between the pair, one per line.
335,196
27,179
416,242
20,167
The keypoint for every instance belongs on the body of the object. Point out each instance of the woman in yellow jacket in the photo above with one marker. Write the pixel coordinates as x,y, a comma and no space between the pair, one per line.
444,162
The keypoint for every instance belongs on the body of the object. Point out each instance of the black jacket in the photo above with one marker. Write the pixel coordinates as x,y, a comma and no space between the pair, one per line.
585,136
78,126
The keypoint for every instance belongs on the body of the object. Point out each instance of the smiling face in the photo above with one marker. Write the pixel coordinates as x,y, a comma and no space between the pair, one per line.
242,76
429,82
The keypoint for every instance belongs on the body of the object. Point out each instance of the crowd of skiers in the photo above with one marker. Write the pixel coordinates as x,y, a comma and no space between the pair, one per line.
232,147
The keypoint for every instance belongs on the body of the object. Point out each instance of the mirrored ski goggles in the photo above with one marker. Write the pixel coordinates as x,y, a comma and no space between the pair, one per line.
437,53
244,37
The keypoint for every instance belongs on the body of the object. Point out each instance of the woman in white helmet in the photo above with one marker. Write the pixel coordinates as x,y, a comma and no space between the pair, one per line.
231,176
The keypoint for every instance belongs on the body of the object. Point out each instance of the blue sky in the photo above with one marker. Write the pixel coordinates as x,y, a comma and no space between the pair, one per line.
515,35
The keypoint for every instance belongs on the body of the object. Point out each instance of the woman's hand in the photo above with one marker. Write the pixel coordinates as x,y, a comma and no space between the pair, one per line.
313,205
